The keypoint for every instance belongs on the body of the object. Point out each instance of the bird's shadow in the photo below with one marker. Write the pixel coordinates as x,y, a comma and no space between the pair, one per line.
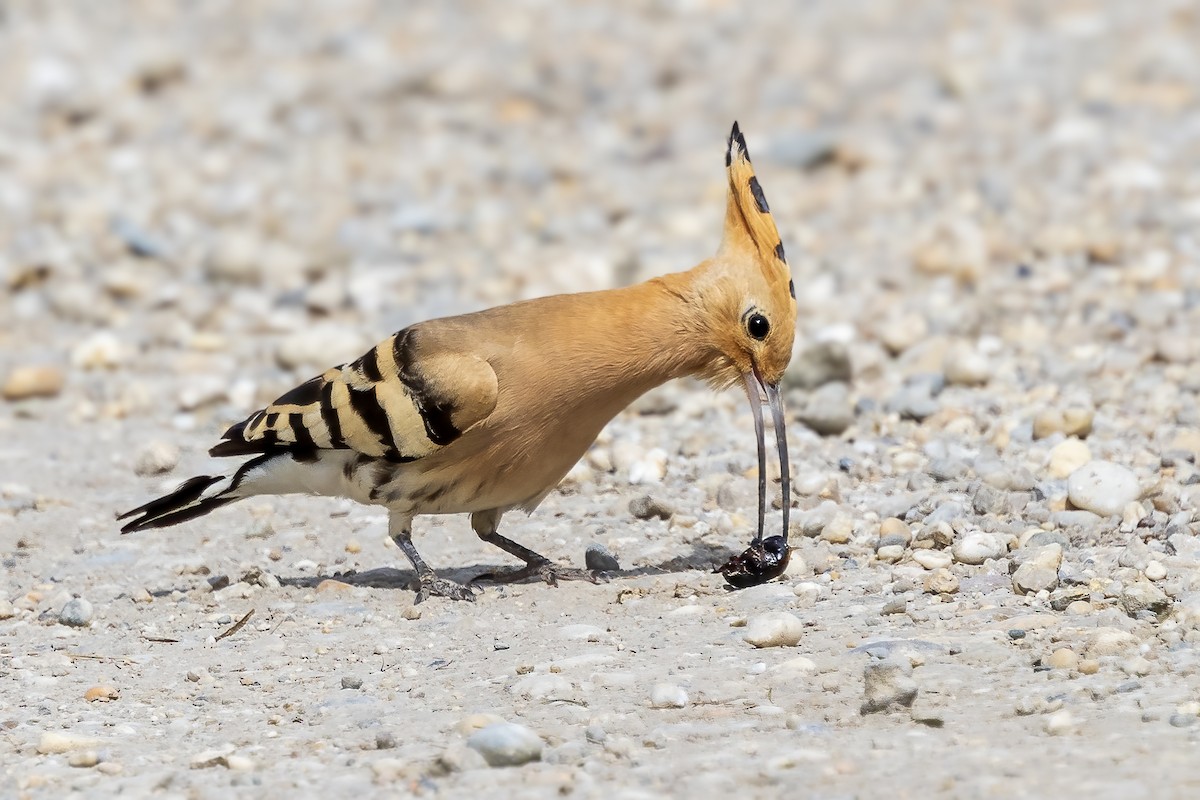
701,557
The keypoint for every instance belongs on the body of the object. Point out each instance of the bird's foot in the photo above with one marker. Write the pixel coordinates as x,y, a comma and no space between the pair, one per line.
433,586
545,569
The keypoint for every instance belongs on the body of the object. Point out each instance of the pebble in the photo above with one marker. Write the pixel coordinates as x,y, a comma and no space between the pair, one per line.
598,558
1066,457
976,548
1155,571
648,507
942,581
1062,658
101,693
668,695
1143,596
650,468
1059,723
966,366
819,364
83,759
828,410
351,682
1103,488
458,757
155,458
1039,571
77,613
932,559
7,611
506,744
1110,642
773,629
101,350
25,382
1069,422
888,683
51,743
385,740
475,722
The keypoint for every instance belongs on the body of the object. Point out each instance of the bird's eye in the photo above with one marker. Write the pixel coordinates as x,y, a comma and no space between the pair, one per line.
758,327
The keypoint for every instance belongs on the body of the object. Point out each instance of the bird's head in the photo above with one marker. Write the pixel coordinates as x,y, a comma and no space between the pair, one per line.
749,304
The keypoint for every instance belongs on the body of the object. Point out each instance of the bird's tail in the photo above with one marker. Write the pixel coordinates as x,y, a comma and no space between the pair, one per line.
195,497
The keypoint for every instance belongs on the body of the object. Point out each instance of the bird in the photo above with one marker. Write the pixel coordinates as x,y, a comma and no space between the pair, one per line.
486,412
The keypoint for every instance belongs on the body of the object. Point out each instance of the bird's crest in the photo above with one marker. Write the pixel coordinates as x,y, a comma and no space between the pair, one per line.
749,228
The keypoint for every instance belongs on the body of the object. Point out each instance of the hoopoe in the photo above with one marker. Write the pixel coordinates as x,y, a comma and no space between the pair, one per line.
486,412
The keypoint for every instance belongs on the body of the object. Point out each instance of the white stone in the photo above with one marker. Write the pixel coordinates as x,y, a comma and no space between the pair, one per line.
506,744
668,695
1155,571
1103,488
966,366
101,350
976,548
156,457
774,629
51,742
932,559
1059,723
1066,457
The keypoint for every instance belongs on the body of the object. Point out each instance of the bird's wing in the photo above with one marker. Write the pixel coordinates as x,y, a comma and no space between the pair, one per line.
404,399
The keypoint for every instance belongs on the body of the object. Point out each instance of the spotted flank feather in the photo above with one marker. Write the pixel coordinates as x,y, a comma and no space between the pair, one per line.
395,403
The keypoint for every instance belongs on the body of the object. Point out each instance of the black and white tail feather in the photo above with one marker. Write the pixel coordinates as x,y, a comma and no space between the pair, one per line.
342,433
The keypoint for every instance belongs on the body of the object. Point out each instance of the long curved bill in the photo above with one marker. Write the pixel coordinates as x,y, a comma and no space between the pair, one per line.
756,389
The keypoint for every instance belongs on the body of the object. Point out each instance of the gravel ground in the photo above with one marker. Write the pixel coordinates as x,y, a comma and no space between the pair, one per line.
991,212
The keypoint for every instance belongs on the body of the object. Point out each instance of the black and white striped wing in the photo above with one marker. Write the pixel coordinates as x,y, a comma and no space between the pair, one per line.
402,400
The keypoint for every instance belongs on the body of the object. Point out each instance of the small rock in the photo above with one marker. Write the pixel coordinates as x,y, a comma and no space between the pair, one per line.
1059,723
819,364
351,682
51,743
1071,422
1155,571
1137,666
976,548
1066,457
459,757
932,559
1062,658
506,744
101,693
155,458
941,581
83,759
101,350
774,629
1103,488
385,740
650,468
1142,595
648,507
828,411
888,683
668,695
411,613
897,605
1109,642
7,611
598,558
77,613
33,381
966,366
1039,570
476,722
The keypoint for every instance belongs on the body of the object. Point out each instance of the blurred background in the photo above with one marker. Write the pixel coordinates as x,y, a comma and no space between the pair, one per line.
220,198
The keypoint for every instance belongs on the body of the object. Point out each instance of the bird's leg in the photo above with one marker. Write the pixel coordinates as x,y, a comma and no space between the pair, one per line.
485,523
400,529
